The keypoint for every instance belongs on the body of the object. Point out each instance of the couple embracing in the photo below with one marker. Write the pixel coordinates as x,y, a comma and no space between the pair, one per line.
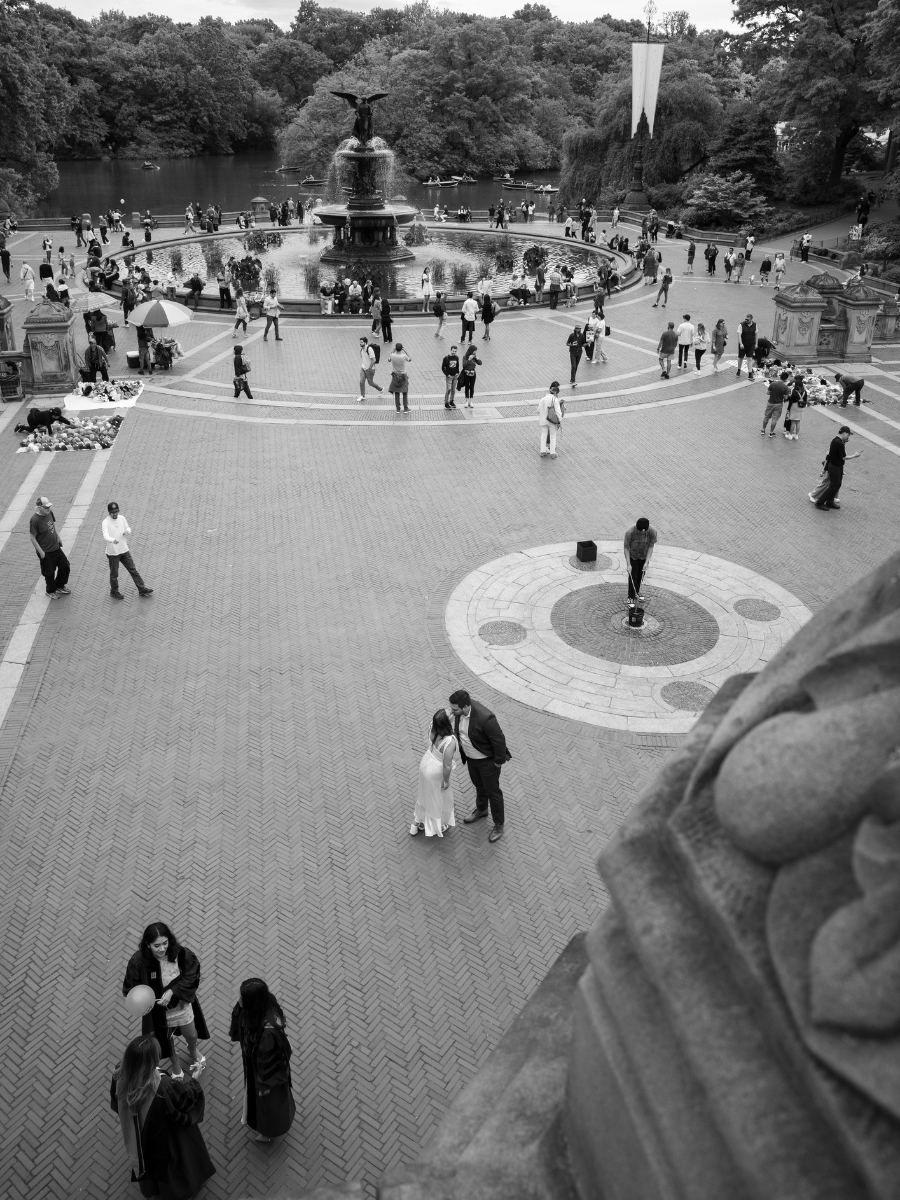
475,732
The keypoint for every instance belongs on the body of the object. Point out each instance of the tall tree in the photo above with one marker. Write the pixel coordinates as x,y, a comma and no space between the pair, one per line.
748,143
830,80
35,100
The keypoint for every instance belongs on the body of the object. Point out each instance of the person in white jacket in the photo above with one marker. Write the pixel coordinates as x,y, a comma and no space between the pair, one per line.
550,415
115,531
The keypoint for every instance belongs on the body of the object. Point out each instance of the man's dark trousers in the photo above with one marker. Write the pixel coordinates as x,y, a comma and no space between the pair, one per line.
835,479
853,390
128,563
485,775
637,567
55,569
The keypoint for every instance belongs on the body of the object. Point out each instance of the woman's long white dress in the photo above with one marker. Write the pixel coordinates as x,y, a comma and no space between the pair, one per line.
434,808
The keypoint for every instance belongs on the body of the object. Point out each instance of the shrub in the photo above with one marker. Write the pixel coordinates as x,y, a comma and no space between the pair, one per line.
438,270
258,241
726,201
534,257
470,242
176,260
212,256
485,265
892,274
149,256
666,197
311,278
504,260
417,234
271,277
459,273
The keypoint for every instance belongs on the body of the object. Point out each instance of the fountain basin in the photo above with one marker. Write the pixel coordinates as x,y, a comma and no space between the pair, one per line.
366,233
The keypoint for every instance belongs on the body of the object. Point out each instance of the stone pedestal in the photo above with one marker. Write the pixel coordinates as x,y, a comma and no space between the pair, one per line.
799,311
259,206
887,323
50,343
7,333
860,304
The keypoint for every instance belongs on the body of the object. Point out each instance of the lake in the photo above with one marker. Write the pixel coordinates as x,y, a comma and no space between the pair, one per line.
229,180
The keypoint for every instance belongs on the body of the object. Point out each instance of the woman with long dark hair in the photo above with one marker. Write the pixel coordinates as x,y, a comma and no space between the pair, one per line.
433,814
173,972
159,1119
258,1023
467,375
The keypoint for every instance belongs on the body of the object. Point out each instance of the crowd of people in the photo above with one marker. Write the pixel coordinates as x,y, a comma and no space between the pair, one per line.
160,1111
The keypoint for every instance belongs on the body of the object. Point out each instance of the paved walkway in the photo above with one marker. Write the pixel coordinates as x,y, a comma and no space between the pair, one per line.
237,756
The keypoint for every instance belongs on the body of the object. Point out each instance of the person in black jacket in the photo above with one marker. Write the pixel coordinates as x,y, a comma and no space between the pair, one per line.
258,1023
483,749
159,1119
241,367
173,972
575,342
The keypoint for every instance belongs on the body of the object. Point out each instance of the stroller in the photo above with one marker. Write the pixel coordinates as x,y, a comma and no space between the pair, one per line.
163,353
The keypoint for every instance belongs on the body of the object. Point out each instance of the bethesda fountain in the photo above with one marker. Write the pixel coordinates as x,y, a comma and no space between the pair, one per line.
365,226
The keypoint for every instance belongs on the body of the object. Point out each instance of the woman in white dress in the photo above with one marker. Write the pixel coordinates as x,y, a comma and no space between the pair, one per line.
427,289
433,814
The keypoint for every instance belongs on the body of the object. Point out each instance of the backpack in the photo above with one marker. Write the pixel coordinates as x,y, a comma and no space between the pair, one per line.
376,352
495,307
439,309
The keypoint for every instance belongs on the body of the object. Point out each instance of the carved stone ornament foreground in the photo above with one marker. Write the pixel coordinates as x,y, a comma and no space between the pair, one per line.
804,771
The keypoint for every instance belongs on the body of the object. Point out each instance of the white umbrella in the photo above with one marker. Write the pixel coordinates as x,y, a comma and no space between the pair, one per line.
81,301
159,314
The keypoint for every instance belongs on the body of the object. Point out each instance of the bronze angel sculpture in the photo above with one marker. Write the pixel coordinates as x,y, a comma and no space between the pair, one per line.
362,106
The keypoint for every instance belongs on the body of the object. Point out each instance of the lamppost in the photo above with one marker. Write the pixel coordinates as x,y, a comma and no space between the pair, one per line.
646,65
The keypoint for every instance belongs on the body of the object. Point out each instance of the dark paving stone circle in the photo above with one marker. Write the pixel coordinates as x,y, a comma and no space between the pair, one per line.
591,620
602,563
502,633
686,696
757,610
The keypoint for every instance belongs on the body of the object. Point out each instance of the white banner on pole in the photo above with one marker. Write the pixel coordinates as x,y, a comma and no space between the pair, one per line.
646,65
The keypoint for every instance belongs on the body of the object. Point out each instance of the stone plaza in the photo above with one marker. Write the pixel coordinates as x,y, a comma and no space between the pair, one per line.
237,755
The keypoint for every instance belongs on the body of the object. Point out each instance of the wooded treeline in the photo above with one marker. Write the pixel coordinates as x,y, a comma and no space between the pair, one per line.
467,93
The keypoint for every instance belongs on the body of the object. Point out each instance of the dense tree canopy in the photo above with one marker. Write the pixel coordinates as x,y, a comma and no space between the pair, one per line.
466,92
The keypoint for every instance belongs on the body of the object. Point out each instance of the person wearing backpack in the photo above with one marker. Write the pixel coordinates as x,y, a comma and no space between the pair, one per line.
241,371
440,311
550,415
368,357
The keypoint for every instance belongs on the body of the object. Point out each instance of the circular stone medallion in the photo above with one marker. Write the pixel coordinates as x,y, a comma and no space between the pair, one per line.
555,638
502,633
689,697
594,620
757,610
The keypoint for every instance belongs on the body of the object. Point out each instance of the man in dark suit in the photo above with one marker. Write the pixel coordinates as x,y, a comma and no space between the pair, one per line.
482,748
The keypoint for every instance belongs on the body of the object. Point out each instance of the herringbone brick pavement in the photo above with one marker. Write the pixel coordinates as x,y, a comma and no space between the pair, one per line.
238,757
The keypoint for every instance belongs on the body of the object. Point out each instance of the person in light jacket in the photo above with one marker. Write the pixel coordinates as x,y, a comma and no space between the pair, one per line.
550,415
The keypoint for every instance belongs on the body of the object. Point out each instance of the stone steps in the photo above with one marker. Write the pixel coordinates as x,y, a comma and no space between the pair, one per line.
501,1139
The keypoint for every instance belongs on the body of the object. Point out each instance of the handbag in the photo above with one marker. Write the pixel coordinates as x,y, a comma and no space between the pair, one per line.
551,415
608,331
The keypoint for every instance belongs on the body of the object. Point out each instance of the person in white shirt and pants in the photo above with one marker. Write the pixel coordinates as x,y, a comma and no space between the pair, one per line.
115,530
550,416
